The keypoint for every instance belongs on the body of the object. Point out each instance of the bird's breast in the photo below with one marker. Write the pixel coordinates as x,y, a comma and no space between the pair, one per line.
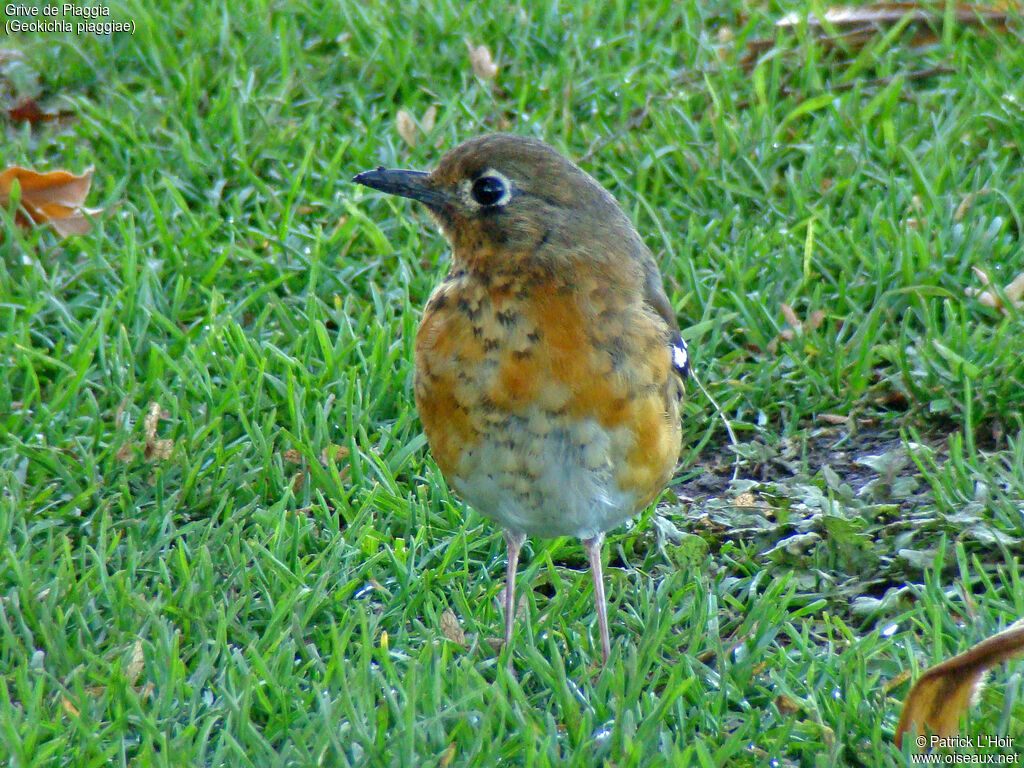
549,406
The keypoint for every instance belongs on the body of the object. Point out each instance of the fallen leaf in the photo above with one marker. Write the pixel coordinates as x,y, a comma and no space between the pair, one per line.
854,26
335,452
745,500
962,208
882,16
786,705
406,127
451,628
53,198
790,316
135,664
69,708
797,326
292,456
857,24
833,418
448,755
157,449
1014,292
943,693
481,61
27,110
429,119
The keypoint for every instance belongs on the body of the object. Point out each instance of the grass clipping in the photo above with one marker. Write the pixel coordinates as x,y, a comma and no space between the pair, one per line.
944,692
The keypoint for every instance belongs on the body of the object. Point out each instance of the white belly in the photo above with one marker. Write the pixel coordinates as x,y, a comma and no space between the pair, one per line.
540,479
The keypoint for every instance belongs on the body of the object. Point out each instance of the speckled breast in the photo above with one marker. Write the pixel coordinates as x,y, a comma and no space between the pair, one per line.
551,407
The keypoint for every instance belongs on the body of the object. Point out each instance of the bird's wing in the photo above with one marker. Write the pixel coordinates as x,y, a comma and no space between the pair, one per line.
657,299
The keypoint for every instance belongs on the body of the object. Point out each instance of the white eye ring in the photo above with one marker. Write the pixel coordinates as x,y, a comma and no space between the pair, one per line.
491,189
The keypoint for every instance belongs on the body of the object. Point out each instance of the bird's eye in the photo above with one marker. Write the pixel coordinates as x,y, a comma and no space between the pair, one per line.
489,190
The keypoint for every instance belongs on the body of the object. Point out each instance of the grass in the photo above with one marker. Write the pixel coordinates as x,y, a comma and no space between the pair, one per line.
260,597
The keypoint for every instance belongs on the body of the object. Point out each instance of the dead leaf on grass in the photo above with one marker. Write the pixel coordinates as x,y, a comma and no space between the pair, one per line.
1014,292
834,418
855,26
55,198
405,124
410,129
157,449
335,453
786,705
797,326
69,709
448,755
944,692
480,60
451,628
135,664
27,110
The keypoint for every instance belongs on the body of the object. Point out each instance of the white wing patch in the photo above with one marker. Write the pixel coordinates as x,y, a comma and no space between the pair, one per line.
680,356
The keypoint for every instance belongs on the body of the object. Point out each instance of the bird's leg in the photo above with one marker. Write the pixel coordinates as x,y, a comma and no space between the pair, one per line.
593,547
513,543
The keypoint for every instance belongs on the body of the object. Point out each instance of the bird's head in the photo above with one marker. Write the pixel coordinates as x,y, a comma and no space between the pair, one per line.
513,199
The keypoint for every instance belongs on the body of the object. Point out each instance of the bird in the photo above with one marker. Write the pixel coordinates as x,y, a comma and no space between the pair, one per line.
548,365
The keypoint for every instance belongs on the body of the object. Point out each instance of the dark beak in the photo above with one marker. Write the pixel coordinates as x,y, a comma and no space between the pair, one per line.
412,184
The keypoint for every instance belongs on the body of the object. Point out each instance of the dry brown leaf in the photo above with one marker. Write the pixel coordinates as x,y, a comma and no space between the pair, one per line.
786,705
405,124
885,15
451,628
54,198
790,316
745,500
125,454
833,418
481,61
448,755
292,456
69,708
1014,292
157,449
797,326
337,452
961,209
429,119
814,320
854,26
27,110
943,693
152,419
135,664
